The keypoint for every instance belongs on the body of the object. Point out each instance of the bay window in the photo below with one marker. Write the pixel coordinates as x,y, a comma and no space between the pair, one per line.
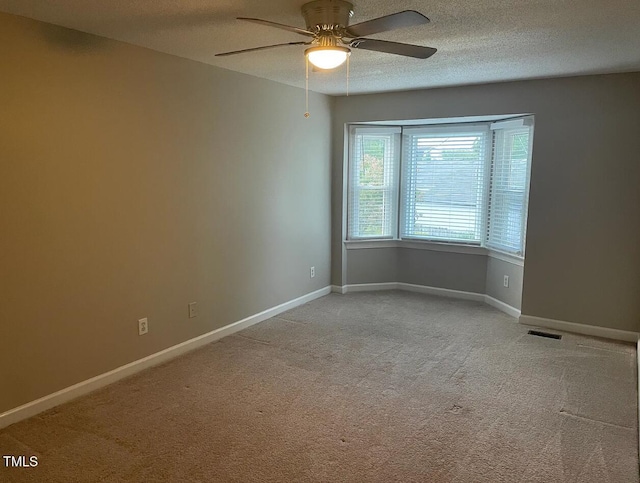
463,184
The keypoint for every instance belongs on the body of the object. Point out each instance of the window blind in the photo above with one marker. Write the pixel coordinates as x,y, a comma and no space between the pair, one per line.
374,154
443,183
508,189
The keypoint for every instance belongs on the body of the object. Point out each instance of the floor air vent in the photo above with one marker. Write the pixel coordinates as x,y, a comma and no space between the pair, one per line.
545,334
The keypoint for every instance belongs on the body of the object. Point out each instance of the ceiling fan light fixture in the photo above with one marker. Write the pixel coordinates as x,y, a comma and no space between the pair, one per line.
327,57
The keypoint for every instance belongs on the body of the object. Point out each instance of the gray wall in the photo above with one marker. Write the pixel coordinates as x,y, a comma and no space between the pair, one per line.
372,265
583,243
133,183
496,270
455,271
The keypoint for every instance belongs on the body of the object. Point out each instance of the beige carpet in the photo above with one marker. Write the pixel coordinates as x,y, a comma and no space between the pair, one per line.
378,387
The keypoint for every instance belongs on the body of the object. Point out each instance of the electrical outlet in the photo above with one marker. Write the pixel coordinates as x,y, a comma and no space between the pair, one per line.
313,272
193,310
143,326
506,281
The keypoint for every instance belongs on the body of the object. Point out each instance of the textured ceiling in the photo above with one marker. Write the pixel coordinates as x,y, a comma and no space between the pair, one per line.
477,40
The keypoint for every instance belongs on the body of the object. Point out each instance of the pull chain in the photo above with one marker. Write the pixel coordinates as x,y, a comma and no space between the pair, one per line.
348,75
306,87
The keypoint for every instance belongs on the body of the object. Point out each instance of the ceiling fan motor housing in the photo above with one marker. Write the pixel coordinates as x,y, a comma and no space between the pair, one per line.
327,14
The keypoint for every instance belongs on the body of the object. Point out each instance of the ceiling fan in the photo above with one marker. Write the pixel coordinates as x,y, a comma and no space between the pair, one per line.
332,38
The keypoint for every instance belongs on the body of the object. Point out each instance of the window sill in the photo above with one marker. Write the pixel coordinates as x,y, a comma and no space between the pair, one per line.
507,257
416,245
434,246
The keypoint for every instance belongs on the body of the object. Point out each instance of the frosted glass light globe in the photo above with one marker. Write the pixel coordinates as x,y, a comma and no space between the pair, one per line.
327,57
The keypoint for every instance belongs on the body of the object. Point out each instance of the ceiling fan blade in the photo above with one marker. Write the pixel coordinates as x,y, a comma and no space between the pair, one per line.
408,50
407,18
261,48
278,26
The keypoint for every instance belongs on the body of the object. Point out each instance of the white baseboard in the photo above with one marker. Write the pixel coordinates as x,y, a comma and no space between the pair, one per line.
500,305
443,292
410,287
64,395
593,330
369,287
338,288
